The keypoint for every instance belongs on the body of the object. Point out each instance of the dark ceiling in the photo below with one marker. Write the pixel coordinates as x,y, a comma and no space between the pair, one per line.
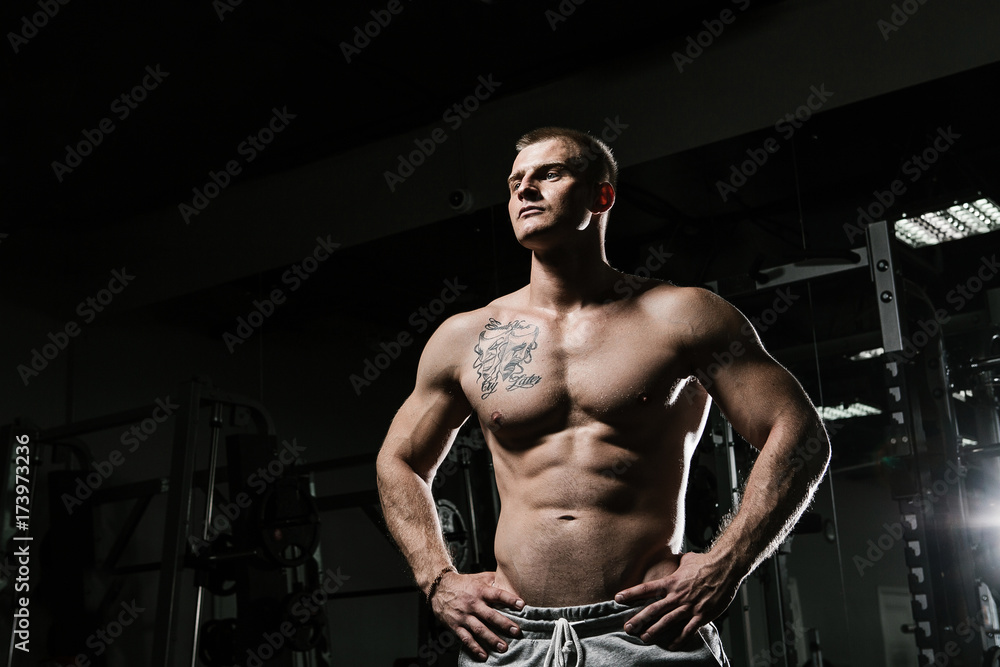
226,63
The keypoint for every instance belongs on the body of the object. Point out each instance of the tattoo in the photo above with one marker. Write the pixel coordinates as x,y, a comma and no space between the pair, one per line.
504,350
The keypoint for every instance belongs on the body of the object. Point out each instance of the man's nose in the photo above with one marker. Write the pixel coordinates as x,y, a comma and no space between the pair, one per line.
528,190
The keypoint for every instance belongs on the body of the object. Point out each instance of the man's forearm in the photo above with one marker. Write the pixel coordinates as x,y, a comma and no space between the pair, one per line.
411,517
779,489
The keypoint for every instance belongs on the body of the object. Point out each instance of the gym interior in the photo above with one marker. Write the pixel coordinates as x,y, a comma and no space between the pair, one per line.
230,229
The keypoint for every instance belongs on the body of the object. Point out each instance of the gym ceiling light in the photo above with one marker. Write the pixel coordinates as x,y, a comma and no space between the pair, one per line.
955,222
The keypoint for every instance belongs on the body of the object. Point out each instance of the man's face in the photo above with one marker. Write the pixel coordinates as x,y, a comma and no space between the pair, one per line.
547,198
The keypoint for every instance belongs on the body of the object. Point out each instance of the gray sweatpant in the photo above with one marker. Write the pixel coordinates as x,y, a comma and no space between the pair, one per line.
592,636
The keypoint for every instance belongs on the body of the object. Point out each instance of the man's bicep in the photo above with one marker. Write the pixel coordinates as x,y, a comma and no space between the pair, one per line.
754,391
757,394
426,424
424,429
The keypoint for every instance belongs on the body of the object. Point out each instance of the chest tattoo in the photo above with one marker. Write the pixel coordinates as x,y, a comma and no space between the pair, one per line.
503,352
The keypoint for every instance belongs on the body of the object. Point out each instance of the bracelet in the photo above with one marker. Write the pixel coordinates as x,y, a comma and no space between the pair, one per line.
437,582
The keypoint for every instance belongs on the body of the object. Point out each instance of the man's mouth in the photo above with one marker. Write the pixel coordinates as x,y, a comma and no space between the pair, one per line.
528,210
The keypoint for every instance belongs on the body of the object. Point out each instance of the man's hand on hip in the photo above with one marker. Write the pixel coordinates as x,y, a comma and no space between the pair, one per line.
695,594
464,602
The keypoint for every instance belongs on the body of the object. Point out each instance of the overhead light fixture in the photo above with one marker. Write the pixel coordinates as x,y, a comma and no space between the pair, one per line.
955,222
864,355
847,411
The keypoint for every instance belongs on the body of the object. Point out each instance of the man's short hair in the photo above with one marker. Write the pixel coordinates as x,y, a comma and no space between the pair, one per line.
595,158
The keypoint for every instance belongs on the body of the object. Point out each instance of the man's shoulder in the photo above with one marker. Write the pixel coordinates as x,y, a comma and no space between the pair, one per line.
680,300
664,290
499,307
470,323
507,305
445,354
696,315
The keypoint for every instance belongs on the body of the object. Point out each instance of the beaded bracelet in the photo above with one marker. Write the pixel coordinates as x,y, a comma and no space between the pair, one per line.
437,582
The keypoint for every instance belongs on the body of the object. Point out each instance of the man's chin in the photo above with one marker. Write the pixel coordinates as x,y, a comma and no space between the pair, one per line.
538,238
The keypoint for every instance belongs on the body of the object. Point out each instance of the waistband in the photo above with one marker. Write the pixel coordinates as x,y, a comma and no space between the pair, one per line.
587,620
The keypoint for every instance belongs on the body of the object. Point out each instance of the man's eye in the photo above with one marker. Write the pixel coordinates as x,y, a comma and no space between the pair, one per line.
515,186
552,174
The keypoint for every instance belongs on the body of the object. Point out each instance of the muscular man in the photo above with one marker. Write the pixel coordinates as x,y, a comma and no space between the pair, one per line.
591,409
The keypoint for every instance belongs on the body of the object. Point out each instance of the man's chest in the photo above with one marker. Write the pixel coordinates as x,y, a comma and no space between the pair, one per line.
525,372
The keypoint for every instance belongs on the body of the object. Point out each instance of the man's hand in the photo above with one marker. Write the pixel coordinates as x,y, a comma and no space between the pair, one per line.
695,594
463,603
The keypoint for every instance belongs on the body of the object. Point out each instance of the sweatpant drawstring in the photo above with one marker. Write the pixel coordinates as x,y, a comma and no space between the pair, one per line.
565,649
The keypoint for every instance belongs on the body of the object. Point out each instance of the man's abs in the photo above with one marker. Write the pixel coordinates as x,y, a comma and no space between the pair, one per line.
581,521
552,560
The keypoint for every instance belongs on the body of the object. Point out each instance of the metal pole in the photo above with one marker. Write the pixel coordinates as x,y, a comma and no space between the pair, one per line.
466,457
216,426
177,525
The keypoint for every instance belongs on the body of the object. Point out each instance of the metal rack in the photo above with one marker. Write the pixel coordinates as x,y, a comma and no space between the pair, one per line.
200,405
921,440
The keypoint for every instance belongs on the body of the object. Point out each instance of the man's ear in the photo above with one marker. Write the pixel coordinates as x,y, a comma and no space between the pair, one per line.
604,199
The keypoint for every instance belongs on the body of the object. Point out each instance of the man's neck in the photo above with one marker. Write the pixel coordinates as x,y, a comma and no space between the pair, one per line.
568,279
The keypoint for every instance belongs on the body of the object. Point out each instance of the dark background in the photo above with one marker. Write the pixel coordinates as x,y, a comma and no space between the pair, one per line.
681,131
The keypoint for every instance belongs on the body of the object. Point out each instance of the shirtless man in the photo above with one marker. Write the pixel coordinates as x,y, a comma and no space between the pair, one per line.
589,404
